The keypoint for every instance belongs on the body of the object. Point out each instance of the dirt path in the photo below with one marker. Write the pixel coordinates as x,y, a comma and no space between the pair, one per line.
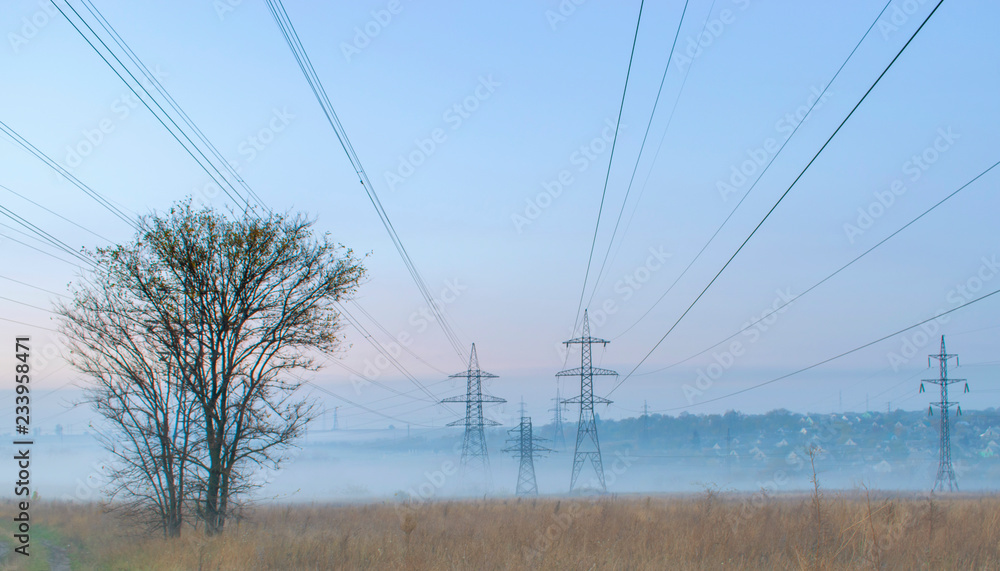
58,560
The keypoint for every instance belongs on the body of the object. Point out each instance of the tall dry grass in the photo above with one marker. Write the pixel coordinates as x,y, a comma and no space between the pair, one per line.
709,531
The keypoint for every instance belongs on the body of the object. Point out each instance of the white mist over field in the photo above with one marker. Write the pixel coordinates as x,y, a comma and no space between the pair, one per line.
378,465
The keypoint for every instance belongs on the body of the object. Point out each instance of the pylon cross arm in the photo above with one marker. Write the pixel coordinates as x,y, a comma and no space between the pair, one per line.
588,340
475,373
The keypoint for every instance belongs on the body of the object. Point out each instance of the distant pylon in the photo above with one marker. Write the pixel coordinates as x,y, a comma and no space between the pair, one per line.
588,446
525,446
474,445
559,438
946,471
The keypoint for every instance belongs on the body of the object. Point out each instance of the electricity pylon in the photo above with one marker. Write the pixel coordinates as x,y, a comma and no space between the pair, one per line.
946,471
525,446
559,438
474,446
588,446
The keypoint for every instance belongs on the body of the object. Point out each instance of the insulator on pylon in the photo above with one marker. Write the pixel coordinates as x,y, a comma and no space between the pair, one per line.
959,411
921,387
930,411
966,387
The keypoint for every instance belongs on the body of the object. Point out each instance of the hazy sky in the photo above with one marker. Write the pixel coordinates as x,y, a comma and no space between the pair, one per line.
500,212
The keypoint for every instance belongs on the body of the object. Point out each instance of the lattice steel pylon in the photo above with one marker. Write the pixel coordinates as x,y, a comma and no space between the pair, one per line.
559,436
474,452
945,471
588,446
524,445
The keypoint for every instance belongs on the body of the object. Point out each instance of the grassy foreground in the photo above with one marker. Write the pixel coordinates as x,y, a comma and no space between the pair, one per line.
709,531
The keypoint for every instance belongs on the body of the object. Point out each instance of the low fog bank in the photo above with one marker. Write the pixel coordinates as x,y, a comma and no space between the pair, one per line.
895,451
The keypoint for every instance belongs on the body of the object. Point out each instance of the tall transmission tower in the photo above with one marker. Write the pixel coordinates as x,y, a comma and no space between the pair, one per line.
524,445
474,445
588,446
559,438
945,471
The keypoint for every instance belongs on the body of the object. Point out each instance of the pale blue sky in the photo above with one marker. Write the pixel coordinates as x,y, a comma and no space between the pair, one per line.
551,88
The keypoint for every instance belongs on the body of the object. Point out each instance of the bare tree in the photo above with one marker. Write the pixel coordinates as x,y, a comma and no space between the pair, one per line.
149,412
235,306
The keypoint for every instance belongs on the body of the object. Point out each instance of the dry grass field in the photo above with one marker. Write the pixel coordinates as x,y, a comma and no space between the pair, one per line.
708,531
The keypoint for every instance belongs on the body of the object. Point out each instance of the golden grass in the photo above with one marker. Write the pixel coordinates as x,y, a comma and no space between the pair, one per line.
709,531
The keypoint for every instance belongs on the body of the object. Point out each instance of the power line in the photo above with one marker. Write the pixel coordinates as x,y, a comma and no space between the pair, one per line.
834,358
149,101
363,407
39,250
218,177
43,236
835,272
28,324
607,176
27,305
760,175
99,198
385,353
56,214
782,197
372,381
386,331
659,91
151,78
34,287
291,37
663,137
